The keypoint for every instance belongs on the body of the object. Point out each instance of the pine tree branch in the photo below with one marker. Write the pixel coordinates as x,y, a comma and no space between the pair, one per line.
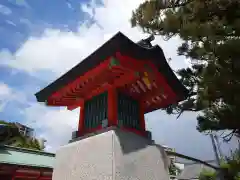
191,159
229,136
176,4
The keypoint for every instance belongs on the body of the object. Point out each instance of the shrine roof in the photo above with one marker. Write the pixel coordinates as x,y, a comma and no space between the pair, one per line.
26,157
118,43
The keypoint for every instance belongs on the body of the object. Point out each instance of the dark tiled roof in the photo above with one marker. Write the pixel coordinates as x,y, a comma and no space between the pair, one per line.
118,43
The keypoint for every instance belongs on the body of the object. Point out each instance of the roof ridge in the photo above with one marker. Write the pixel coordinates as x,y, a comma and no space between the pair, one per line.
26,150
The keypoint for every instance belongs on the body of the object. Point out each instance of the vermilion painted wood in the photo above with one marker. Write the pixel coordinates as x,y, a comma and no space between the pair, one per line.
135,64
156,106
70,90
153,76
81,121
94,84
45,178
124,61
141,115
92,73
130,63
72,102
82,96
126,78
96,72
86,90
118,77
100,79
73,105
61,102
160,80
112,106
25,177
127,90
79,103
25,172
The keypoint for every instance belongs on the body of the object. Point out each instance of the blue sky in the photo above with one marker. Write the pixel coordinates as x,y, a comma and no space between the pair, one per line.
20,19
42,39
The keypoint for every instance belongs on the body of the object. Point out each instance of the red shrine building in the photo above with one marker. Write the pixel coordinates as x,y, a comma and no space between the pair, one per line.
23,164
116,85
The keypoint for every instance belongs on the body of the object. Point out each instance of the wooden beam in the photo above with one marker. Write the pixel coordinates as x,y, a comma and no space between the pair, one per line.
88,91
81,121
78,103
45,178
161,81
112,106
141,115
152,93
127,78
161,92
57,103
110,80
99,75
98,81
130,63
92,73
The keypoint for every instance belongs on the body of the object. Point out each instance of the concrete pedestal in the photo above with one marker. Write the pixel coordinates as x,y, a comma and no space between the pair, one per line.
111,155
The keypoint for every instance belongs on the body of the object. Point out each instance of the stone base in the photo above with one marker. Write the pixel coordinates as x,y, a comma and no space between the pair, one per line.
113,155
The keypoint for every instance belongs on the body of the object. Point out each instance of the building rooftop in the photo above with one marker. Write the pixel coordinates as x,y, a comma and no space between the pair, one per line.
26,157
192,171
19,125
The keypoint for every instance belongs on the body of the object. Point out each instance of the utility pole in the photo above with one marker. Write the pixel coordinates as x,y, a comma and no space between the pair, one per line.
218,146
219,173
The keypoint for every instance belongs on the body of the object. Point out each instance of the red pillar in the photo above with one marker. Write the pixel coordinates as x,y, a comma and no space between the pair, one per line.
14,174
81,121
141,115
112,107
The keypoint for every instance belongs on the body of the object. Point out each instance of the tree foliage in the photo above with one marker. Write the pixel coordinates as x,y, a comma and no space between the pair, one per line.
173,169
10,135
207,175
230,167
210,31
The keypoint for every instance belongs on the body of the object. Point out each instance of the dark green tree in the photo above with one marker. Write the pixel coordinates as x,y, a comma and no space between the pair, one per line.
210,31
10,135
230,168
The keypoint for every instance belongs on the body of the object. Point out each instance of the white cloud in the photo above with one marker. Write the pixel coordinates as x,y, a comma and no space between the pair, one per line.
69,5
5,10
4,90
54,125
10,22
22,3
58,51
5,95
25,21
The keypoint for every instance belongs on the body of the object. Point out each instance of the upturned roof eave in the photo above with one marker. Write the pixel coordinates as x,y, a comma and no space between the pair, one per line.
118,43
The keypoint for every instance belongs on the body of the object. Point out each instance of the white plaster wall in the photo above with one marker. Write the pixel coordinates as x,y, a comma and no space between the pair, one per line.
147,162
87,159
114,155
